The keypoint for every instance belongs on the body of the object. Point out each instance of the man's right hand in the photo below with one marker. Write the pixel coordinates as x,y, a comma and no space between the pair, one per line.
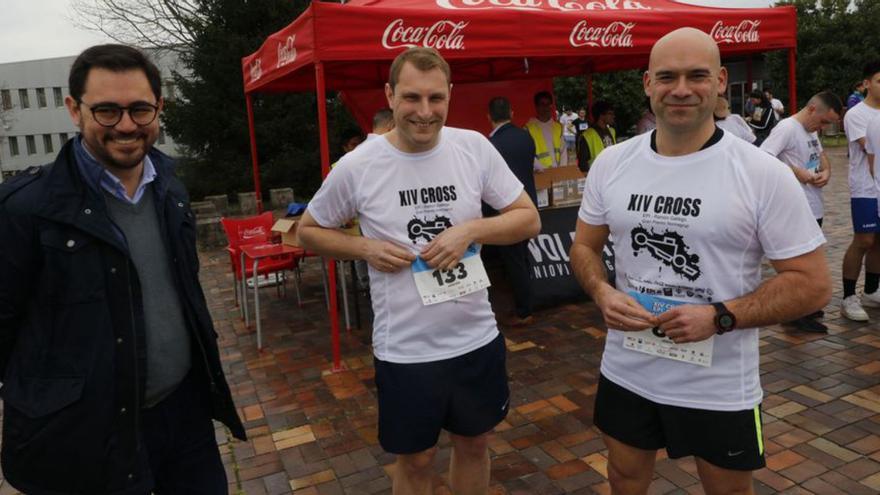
386,256
622,312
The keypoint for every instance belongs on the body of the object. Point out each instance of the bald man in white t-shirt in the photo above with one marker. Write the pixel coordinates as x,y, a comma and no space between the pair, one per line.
693,210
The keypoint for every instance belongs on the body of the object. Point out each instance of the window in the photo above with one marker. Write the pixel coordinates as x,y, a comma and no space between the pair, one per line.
23,99
161,136
59,98
5,99
47,143
170,89
31,145
13,146
63,138
41,97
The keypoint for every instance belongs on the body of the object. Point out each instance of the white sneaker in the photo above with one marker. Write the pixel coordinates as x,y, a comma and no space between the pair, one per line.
852,309
871,300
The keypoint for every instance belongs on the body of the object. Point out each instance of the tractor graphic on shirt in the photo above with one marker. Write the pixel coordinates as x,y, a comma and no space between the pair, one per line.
427,229
669,248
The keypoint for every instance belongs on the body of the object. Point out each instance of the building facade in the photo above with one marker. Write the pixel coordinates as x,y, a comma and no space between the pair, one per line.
34,123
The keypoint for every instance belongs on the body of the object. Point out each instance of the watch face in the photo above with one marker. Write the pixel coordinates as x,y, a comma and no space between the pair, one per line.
725,321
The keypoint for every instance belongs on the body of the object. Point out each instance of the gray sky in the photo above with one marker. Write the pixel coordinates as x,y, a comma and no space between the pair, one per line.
34,29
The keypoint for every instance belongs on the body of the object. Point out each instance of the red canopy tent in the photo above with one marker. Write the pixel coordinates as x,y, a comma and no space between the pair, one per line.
349,47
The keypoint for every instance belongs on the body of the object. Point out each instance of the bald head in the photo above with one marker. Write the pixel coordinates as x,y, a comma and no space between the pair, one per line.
683,81
686,42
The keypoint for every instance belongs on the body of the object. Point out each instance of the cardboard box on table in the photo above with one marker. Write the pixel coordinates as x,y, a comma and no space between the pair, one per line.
287,228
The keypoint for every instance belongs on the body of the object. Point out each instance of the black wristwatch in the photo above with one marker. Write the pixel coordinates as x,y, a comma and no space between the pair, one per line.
725,321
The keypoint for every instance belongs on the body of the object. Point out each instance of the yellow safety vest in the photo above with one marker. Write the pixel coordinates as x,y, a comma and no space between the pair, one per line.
542,154
594,141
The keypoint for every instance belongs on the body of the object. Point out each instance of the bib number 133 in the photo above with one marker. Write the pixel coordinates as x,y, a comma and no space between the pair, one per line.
459,272
436,286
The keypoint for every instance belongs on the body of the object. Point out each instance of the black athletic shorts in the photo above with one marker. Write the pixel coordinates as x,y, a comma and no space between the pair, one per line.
727,439
466,395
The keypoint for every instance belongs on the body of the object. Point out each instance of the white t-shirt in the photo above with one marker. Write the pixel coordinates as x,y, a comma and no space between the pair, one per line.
547,131
794,146
388,190
855,123
872,146
566,120
737,126
778,108
708,218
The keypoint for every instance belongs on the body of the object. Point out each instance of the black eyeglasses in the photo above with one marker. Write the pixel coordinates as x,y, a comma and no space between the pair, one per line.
109,114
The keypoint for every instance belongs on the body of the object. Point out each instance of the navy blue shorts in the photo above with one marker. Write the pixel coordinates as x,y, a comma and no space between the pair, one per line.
864,215
466,395
727,439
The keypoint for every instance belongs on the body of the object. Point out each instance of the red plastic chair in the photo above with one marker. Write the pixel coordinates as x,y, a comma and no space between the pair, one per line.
254,230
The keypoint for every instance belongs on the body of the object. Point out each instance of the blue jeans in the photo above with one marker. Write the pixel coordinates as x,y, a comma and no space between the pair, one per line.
179,436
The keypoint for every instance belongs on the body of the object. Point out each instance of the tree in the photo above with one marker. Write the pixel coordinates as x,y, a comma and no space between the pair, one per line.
622,89
833,43
157,24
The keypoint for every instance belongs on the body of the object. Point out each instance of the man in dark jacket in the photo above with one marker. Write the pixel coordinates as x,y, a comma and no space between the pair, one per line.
518,150
110,368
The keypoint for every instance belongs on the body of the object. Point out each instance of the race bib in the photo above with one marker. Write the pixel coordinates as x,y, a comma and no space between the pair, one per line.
653,341
436,286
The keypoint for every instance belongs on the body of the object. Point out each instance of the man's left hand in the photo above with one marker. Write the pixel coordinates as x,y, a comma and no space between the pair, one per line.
688,323
445,250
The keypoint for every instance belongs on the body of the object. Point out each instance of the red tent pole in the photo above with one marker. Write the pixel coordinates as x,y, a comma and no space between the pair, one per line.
792,82
255,164
590,96
325,169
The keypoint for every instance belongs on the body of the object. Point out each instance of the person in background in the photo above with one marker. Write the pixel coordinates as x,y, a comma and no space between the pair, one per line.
732,123
763,118
648,122
857,95
518,150
598,137
547,134
568,134
795,142
580,124
383,121
775,104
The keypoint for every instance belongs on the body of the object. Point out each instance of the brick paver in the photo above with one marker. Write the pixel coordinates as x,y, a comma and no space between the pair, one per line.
313,431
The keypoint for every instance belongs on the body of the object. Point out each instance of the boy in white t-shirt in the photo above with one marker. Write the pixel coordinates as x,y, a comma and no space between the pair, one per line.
863,204
439,358
693,211
795,142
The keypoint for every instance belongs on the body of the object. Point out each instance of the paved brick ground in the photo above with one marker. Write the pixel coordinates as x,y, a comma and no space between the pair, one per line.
313,431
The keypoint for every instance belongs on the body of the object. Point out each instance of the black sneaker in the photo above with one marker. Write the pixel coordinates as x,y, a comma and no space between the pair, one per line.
809,325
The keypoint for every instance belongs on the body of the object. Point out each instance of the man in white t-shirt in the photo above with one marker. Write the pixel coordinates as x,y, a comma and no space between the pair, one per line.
863,204
566,120
439,358
795,142
778,107
693,210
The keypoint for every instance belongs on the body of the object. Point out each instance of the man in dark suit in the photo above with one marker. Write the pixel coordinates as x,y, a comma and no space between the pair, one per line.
518,150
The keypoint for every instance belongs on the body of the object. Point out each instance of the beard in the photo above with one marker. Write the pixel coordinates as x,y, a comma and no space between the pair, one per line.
102,148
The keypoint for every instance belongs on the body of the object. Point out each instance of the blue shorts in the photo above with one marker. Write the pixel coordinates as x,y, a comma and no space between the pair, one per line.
865,218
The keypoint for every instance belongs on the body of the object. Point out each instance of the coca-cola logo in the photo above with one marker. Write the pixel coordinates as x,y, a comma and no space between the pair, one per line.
565,5
256,70
615,35
442,35
286,51
253,232
744,32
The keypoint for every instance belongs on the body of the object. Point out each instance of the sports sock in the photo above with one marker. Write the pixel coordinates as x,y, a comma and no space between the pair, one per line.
849,288
872,280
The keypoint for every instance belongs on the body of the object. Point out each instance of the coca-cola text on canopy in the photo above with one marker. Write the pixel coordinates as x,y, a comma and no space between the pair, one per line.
744,32
615,35
442,35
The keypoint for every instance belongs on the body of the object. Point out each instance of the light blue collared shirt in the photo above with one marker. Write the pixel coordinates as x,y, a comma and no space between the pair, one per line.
98,174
